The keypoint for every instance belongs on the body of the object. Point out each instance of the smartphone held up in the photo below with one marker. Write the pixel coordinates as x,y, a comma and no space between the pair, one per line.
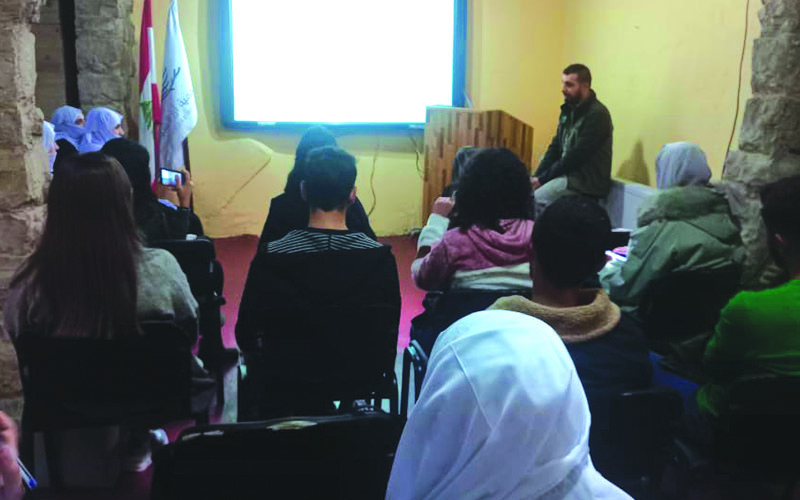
171,178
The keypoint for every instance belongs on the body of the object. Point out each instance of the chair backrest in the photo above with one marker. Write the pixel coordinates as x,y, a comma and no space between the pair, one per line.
764,394
642,424
760,425
80,382
348,456
196,258
687,303
332,352
442,309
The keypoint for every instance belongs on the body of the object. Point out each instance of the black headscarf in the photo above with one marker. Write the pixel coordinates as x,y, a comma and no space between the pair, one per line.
315,137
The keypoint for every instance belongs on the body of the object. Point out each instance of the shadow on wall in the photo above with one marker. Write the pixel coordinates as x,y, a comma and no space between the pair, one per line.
635,168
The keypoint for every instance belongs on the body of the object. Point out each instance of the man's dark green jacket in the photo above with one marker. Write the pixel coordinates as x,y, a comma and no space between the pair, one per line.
581,149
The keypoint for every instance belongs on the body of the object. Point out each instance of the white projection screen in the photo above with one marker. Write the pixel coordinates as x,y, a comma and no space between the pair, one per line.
363,63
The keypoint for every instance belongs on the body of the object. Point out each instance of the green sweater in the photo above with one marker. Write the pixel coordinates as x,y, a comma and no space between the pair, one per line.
757,332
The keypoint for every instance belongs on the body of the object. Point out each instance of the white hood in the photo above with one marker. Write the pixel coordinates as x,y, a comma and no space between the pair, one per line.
501,415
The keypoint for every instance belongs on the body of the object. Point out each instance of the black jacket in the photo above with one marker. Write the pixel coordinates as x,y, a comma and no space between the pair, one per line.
160,222
306,281
581,149
288,212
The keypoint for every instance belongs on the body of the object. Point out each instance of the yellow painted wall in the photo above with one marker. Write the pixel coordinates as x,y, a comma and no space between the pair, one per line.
667,71
511,47
516,61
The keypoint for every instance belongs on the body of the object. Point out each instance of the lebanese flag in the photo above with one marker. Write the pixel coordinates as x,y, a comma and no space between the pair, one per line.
149,103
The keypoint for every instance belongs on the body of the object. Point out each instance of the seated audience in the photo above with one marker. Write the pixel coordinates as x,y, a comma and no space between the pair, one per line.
502,414
607,347
156,220
49,144
68,122
324,263
102,125
11,487
89,275
289,210
485,246
462,158
687,226
758,331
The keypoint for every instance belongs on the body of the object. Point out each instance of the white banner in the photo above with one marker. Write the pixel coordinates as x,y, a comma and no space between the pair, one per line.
178,106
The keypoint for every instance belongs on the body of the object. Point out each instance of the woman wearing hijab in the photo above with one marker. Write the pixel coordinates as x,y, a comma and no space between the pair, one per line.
289,211
69,122
501,414
49,144
102,125
686,226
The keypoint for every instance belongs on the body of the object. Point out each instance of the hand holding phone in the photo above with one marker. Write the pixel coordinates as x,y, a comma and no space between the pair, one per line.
181,182
10,472
172,178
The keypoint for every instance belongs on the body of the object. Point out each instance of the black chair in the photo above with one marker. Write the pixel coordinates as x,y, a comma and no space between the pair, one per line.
198,260
308,359
413,356
636,448
76,383
442,309
755,439
347,457
686,304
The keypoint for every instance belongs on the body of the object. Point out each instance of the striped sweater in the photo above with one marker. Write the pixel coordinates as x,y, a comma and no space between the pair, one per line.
320,240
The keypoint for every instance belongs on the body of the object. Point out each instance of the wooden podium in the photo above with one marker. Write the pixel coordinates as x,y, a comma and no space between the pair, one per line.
448,129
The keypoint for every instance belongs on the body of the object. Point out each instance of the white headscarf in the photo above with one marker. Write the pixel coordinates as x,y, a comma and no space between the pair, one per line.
64,121
49,142
681,164
501,415
100,125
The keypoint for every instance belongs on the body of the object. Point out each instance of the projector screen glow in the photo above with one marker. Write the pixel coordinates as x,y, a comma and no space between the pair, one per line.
339,62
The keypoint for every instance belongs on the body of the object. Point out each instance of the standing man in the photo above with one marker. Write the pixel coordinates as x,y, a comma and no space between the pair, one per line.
578,160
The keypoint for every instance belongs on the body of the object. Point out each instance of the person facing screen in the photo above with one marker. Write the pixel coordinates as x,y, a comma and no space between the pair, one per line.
289,211
90,276
155,220
480,241
501,414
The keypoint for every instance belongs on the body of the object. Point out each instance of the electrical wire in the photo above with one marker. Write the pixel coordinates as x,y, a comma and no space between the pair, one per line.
244,185
739,87
372,178
417,153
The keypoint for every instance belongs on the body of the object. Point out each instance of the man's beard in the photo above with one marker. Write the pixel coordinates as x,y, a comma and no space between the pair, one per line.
572,100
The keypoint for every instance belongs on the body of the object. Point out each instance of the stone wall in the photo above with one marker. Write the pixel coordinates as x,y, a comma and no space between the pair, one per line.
22,167
105,52
50,79
769,146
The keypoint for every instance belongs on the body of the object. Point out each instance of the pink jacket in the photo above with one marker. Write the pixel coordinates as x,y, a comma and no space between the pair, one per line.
478,259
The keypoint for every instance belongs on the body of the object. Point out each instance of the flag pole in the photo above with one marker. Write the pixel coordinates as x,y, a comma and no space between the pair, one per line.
188,165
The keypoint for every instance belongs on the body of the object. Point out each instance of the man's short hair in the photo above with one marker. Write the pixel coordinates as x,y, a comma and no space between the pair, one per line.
780,208
330,177
584,75
570,239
